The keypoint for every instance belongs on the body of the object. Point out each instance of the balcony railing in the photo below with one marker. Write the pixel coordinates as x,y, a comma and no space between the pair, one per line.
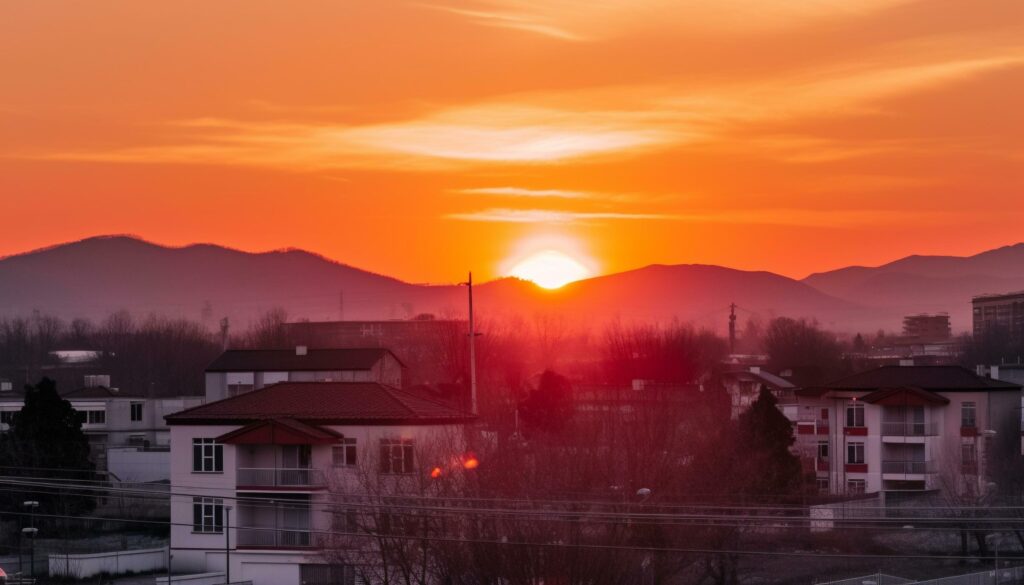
255,537
907,467
909,429
278,477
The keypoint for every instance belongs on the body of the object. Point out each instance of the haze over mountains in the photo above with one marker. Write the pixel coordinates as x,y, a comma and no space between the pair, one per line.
94,277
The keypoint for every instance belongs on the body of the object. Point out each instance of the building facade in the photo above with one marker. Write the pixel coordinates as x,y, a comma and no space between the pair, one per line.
926,327
1003,312
259,480
905,430
128,436
238,371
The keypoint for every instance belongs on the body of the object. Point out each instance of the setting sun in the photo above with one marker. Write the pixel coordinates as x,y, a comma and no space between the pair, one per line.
550,269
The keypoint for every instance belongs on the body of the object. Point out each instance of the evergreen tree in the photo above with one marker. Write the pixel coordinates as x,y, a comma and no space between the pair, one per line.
549,406
765,465
46,441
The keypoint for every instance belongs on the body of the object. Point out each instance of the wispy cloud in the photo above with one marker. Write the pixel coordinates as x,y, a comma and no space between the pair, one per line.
576,20
517,192
512,21
502,215
831,218
551,127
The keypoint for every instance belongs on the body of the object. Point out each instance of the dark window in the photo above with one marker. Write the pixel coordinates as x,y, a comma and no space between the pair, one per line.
6,417
855,486
823,450
855,453
136,411
969,415
96,417
396,456
207,515
344,455
855,415
207,456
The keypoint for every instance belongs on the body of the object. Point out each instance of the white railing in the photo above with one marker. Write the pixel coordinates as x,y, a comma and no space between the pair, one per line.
907,467
279,477
273,538
909,429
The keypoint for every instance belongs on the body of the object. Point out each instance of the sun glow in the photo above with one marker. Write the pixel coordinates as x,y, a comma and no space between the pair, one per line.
550,269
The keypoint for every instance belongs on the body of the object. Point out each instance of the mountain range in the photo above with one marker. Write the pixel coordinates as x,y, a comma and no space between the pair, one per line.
94,277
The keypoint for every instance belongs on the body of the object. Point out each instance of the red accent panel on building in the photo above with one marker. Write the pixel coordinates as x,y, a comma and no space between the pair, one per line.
805,429
856,467
822,465
822,430
968,431
856,431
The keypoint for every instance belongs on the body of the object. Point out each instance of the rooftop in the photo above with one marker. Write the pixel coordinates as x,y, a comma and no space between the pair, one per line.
289,360
931,378
324,403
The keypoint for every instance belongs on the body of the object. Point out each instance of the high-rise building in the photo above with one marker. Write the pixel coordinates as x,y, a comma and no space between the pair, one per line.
999,312
926,327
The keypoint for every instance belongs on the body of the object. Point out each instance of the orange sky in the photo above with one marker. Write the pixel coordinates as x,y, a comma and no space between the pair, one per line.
422,138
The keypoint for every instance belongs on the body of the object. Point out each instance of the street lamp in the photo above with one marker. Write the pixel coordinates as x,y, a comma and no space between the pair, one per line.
227,544
30,531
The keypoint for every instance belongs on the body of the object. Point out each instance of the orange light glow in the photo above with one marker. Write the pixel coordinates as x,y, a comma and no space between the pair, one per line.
471,463
550,269
435,472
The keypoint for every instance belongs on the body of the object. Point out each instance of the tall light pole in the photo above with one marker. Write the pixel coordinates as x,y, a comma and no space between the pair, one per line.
227,544
30,531
472,348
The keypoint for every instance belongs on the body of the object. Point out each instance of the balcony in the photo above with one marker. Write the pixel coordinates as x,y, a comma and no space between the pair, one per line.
257,537
907,467
909,429
279,478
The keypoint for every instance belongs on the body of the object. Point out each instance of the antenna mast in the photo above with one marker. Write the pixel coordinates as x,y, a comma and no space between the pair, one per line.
732,328
472,349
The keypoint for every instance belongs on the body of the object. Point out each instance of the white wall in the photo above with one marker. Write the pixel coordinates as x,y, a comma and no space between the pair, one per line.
130,464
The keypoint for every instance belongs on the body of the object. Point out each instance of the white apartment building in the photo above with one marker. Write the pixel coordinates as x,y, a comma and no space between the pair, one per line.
256,478
905,430
128,436
237,371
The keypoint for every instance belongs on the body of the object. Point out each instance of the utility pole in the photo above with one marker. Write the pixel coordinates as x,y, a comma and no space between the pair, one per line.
472,349
732,327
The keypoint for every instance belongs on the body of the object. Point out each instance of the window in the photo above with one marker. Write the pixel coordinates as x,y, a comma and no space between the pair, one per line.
6,417
855,453
96,417
207,515
344,455
396,456
855,486
822,485
969,415
344,520
967,454
136,411
855,415
207,456
822,449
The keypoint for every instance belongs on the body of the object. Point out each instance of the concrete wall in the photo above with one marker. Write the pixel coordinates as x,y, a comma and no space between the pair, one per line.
83,566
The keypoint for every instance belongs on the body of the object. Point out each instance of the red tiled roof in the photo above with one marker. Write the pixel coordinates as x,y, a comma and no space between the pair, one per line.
323,403
286,360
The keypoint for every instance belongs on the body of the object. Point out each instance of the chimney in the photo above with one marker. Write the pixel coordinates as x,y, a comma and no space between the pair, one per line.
301,350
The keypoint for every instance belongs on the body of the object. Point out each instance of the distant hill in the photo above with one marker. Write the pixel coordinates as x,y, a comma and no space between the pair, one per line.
927,283
94,277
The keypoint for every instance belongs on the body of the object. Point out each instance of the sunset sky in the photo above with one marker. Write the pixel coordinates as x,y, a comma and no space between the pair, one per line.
420,139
